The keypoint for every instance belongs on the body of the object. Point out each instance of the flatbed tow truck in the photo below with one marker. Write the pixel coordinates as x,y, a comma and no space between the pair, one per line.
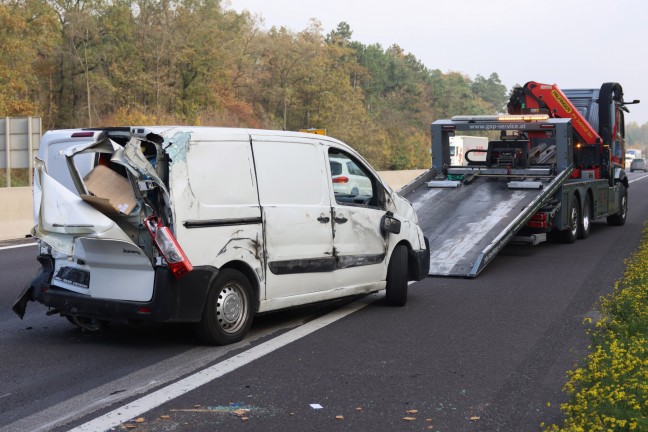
555,166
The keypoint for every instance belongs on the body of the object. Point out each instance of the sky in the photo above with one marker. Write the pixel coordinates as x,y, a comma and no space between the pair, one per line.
571,43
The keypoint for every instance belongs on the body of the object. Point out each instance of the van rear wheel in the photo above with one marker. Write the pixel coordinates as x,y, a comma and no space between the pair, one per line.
227,315
396,291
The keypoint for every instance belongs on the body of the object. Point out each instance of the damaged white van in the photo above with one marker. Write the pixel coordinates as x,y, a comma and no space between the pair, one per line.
210,226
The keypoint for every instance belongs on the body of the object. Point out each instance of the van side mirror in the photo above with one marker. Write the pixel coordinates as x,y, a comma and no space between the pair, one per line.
389,223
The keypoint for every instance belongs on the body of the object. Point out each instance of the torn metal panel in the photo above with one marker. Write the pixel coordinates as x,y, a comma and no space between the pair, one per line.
131,157
62,215
105,145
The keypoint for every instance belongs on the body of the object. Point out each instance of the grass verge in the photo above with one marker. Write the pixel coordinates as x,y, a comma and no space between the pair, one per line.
610,392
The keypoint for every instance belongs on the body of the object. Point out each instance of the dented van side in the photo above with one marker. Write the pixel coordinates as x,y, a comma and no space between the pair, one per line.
211,226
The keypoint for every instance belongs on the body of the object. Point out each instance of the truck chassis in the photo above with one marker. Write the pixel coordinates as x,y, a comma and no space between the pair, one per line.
471,212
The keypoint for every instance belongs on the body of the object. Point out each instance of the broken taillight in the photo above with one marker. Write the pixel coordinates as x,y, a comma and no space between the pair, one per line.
168,247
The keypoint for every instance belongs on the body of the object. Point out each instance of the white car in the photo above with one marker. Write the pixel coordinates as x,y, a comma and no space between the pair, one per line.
348,178
638,164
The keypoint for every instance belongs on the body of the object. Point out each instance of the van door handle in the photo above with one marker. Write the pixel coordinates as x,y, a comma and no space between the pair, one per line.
324,219
341,219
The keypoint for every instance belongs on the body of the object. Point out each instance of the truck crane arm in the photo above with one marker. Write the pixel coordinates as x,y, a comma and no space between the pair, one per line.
548,99
597,149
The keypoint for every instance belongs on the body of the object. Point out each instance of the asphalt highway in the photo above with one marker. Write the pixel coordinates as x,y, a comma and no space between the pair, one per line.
483,354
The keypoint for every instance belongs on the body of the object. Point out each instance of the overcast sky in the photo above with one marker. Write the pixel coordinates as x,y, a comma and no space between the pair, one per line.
572,43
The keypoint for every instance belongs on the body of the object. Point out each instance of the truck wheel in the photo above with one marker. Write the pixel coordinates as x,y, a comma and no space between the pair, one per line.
570,234
227,315
585,219
396,291
619,218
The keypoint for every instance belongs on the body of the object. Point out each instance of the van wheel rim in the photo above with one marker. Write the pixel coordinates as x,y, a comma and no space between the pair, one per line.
230,308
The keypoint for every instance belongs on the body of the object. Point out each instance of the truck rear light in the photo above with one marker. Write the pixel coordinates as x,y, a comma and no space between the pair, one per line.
340,179
537,224
539,217
168,247
523,117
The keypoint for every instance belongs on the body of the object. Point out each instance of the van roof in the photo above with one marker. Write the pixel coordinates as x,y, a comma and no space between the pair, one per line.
199,133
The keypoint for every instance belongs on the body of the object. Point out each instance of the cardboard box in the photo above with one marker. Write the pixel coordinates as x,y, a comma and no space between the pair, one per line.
111,193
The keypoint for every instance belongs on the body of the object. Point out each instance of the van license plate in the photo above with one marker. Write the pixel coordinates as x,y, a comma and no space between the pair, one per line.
74,276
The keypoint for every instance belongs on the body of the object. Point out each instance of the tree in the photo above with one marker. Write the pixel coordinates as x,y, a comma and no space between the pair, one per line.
491,91
28,39
341,35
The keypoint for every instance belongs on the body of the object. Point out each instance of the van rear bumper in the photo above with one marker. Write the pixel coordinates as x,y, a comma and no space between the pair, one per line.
173,300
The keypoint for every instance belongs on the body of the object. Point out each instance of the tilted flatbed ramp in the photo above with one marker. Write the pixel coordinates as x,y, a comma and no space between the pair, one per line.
468,225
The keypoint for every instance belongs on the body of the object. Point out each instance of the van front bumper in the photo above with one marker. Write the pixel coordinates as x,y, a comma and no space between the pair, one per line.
173,300
419,262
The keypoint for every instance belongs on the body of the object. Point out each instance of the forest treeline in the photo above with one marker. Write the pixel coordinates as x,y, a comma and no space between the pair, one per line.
95,63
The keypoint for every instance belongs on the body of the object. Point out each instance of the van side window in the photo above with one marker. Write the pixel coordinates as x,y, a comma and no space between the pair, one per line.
352,183
290,174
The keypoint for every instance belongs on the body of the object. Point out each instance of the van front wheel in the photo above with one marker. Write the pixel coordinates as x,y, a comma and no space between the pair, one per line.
396,291
227,316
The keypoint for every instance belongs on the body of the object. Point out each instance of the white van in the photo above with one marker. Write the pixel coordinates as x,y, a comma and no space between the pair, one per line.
211,226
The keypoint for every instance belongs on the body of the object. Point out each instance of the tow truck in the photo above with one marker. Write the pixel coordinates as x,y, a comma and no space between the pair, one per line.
553,164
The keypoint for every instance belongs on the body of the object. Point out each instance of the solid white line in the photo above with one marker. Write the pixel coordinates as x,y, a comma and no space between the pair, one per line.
172,391
18,246
637,179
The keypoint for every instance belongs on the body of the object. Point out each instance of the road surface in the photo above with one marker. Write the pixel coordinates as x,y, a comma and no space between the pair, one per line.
484,354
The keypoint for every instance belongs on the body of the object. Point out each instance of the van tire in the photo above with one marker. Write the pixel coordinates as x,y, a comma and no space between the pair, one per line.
227,315
396,290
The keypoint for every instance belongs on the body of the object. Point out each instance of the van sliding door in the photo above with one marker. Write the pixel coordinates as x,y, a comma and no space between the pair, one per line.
296,210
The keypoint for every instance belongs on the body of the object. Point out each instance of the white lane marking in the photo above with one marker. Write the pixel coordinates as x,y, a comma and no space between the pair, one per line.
140,382
172,391
18,246
637,179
